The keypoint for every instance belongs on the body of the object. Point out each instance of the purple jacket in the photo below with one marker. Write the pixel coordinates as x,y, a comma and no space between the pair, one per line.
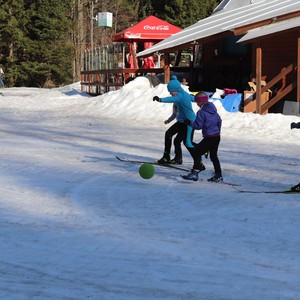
208,120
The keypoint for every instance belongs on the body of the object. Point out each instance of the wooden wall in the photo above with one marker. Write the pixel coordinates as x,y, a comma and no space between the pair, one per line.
222,70
225,70
278,52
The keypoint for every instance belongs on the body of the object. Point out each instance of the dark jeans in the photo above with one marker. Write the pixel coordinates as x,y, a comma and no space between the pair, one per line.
180,130
211,145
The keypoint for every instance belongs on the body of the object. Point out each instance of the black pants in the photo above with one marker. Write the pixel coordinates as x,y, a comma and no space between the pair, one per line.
211,145
180,130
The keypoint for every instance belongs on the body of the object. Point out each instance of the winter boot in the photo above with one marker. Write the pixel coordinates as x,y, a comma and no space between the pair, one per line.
216,178
296,188
295,125
193,175
176,161
164,160
202,167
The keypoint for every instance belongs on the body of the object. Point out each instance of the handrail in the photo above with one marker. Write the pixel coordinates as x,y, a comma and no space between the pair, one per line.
282,92
280,76
278,97
99,81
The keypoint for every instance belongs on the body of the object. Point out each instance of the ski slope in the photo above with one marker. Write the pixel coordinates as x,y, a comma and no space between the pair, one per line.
78,224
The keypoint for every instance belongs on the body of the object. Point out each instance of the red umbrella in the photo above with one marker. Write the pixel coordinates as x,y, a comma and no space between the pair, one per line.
151,29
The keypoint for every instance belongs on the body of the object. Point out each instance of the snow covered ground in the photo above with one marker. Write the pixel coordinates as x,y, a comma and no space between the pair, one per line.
78,224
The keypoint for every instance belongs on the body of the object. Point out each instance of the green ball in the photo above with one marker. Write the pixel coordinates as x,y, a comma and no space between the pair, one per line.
146,171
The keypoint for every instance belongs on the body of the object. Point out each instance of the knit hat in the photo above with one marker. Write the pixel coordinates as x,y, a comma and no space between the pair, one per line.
201,97
174,85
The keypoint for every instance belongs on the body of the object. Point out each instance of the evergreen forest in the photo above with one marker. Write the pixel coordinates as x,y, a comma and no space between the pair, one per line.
42,41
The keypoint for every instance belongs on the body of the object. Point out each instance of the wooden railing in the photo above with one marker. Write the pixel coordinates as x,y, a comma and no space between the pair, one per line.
102,81
282,91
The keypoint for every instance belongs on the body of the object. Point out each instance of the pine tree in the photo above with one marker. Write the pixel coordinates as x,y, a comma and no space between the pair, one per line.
35,42
183,13
145,9
49,51
41,42
11,37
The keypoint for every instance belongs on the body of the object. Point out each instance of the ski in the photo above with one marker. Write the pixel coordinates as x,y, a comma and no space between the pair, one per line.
291,164
220,182
265,192
152,163
167,166
226,182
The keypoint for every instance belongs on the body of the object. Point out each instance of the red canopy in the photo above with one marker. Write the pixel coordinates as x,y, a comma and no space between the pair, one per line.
151,29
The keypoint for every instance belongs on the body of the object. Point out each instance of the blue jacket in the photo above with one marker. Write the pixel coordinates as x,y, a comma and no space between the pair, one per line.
208,120
183,101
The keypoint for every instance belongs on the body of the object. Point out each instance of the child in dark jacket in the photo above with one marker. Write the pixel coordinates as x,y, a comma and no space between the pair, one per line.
209,121
295,188
183,102
174,130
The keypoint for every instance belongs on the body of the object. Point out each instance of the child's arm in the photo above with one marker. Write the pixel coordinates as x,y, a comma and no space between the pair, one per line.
198,123
171,118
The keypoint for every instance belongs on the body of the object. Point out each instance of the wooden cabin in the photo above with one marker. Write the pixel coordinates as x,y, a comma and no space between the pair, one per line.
246,42
227,65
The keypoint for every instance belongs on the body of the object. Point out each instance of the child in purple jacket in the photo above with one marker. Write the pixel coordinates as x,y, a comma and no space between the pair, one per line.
209,121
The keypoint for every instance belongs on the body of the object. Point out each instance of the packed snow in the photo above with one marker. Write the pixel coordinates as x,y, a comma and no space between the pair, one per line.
76,223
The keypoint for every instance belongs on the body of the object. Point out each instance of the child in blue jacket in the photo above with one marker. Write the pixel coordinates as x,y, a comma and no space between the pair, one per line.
183,102
209,121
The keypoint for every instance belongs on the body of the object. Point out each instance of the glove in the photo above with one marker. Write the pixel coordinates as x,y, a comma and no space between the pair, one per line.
187,122
156,98
295,125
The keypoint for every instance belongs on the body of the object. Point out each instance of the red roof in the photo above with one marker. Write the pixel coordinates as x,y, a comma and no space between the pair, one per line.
149,29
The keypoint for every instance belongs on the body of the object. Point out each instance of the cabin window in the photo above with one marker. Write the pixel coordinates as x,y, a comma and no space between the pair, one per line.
229,47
